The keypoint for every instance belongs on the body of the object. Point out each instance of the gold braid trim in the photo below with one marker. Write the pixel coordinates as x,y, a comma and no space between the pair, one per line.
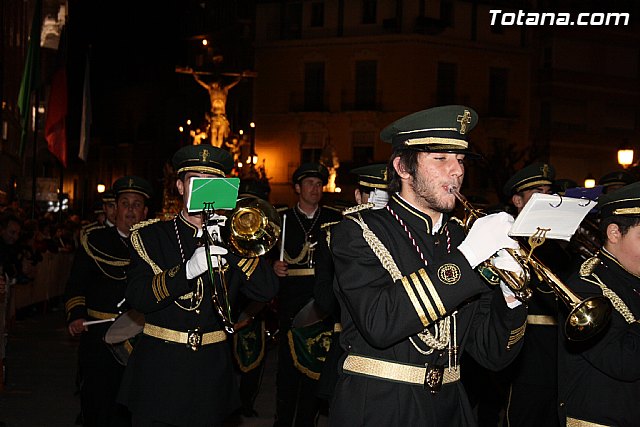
616,301
589,266
456,219
358,208
144,223
378,248
389,264
116,262
301,255
136,242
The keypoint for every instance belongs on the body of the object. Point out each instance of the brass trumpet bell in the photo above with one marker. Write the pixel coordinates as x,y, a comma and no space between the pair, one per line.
252,228
587,317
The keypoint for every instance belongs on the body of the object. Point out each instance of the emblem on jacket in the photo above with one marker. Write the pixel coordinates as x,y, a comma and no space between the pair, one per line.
449,274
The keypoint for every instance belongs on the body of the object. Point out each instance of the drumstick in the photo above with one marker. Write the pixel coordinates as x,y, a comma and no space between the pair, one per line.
93,322
284,229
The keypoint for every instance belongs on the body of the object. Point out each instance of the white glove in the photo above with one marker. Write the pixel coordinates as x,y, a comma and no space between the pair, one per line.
379,198
198,262
504,261
487,236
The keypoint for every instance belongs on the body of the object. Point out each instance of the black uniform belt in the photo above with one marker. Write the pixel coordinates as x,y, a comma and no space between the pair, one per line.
400,372
101,314
192,338
574,422
302,271
541,319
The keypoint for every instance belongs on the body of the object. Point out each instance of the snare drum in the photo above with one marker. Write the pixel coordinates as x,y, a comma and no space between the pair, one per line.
121,336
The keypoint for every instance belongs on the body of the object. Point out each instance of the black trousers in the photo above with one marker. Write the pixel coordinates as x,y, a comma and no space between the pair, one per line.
296,401
532,405
100,377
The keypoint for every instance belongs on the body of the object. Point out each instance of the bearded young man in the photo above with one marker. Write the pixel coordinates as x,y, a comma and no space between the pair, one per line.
410,299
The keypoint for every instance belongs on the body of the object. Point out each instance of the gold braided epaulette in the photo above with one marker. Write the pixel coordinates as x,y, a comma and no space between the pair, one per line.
328,224
144,223
358,208
589,266
91,227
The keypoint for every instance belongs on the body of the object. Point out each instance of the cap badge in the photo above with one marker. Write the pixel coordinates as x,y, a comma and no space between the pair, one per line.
384,175
464,119
130,182
205,155
545,170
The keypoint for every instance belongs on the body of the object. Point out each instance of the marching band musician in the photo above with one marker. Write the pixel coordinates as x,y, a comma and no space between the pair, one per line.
599,379
532,377
410,299
371,193
300,349
614,180
180,372
94,292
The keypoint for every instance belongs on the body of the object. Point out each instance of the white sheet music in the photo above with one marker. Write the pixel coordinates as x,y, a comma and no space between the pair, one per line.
561,215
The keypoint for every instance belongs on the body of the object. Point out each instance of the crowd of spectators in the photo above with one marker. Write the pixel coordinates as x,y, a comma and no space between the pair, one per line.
24,240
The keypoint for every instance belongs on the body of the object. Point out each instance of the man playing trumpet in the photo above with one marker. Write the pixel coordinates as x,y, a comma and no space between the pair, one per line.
411,300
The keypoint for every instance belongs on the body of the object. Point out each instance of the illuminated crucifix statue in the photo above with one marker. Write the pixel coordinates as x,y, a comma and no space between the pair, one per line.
218,123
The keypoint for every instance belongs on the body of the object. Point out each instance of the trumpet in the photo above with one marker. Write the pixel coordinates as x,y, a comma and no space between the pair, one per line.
250,230
587,317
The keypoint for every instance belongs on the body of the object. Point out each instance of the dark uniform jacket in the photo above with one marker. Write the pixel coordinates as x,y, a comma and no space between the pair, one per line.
296,289
327,302
380,315
170,382
599,379
97,281
95,291
533,374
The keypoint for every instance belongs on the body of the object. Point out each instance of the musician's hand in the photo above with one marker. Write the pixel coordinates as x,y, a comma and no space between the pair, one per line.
198,262
504,261
242,323
281,268
487,236
76,327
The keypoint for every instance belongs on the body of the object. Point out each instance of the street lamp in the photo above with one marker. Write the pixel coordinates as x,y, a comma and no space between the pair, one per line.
625,157
589,181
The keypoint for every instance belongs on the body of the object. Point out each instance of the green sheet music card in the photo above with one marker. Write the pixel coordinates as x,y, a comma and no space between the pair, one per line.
222,192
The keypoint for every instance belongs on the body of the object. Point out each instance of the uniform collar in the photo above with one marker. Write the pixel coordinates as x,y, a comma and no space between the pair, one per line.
612,262
184,221
412,215
305,214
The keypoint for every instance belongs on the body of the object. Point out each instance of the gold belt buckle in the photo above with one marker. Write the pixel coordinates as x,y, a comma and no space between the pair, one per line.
194,339
433,377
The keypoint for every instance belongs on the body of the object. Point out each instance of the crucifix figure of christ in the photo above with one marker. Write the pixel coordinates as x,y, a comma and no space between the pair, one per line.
218,124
